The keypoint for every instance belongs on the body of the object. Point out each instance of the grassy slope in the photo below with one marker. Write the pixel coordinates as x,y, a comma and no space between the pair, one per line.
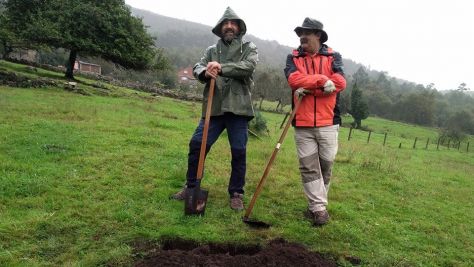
82,177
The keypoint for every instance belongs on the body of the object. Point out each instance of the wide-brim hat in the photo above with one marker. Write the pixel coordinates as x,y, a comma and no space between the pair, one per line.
313,25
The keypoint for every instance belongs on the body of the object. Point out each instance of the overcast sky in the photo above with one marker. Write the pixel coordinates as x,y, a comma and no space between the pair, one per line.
420,41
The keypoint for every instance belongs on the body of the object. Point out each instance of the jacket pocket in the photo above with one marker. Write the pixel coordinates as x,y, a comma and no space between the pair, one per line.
238,87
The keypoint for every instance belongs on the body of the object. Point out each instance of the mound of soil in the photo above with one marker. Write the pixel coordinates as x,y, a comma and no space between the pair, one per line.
185,253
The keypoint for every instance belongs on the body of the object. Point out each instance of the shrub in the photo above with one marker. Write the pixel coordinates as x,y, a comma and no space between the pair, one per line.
259,124
453,134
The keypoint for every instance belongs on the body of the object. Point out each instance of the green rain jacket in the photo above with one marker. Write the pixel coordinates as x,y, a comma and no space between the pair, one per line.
238,59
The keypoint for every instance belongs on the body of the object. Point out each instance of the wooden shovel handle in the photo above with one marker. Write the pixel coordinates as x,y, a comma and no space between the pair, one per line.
202,153
270,162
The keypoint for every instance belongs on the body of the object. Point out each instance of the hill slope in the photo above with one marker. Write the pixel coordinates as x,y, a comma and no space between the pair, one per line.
185,35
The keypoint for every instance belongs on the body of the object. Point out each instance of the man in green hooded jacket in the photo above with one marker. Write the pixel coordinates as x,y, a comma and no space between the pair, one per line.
231,62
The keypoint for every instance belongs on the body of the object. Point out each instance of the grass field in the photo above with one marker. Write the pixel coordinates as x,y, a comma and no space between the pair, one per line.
84,177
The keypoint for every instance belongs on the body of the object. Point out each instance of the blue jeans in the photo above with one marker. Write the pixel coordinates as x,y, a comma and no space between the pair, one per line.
237,127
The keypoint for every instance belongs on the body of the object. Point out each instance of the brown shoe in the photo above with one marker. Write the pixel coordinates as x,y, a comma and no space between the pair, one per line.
236,202
320,217
181,195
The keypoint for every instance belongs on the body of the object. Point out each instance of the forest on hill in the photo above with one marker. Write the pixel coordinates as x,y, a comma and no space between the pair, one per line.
185,42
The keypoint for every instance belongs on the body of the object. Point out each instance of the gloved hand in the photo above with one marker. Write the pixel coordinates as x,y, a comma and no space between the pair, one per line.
302,92
329,87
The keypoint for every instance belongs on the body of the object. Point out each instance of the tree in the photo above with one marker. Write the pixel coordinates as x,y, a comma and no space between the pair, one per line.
361,77
359,108
460,122
382,81
441,112
271,84
345,101
7,37
458,125
462,87
380,103
417,108
262,86
86,27
431,86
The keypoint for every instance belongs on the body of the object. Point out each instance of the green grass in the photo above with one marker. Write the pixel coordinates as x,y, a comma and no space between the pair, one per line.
82,177
270,105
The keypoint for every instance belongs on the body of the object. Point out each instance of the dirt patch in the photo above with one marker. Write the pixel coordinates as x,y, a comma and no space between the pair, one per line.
187,253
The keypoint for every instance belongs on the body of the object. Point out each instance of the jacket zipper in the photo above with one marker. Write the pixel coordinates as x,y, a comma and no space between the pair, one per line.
316,89
320,65
306,65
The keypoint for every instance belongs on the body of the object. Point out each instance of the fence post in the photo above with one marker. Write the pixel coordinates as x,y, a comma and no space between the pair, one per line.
426,147
350,133
384,139
459,145
400,145
368,138
449,141
467,149
284,120
437,146
414,143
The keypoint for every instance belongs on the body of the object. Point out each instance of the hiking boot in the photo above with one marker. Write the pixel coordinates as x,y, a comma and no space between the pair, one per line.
236,201
320,217
181,195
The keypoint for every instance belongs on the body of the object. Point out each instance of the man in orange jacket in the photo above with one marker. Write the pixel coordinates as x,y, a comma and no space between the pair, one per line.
315,72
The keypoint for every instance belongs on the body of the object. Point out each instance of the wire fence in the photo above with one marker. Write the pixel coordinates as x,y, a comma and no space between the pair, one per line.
385,139
402,142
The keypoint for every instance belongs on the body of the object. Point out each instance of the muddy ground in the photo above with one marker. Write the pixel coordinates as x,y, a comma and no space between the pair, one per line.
186,253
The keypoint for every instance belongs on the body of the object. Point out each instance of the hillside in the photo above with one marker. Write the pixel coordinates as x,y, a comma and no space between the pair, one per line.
182,35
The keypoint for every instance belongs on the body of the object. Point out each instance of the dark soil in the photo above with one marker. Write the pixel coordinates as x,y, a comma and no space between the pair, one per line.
186,253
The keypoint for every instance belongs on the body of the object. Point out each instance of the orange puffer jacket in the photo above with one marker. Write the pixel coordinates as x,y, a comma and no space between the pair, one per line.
312,72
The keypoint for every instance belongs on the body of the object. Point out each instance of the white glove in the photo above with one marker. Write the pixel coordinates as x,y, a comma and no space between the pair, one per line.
329,87
302,92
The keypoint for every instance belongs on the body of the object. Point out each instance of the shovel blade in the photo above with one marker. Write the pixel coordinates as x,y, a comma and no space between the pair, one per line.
195,201
255,223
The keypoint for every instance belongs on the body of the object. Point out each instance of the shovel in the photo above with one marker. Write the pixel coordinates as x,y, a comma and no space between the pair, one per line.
246,219
195,198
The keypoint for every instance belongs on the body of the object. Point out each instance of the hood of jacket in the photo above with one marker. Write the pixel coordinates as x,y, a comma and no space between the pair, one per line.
229,14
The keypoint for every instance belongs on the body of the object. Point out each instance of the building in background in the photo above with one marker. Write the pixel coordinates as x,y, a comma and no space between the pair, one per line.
27,55
86,67
185,76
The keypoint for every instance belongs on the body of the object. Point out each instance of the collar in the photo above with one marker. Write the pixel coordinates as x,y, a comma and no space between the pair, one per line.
324,50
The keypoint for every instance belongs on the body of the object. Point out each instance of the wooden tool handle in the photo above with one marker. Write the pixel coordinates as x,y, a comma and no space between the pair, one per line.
202,153
270,162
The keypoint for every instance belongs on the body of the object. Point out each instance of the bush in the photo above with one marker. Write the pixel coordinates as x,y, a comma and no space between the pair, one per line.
453,134
259,124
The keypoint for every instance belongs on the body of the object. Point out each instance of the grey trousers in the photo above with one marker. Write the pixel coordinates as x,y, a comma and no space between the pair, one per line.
317,149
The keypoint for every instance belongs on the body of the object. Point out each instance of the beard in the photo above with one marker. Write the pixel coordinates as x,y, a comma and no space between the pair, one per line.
229,35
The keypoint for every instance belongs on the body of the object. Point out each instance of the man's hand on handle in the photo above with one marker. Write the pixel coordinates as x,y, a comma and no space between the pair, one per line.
300,92
213,69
